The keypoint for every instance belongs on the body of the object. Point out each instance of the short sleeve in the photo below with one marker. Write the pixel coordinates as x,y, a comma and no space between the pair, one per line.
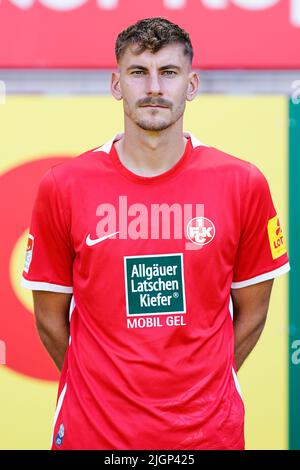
49,254
261,253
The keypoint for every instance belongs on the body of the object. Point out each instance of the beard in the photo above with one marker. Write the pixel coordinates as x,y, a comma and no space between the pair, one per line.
147,125
154,122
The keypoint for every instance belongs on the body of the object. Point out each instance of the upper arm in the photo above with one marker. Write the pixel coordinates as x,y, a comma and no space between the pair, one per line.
261,253
50,254
251,303
51,309
49,259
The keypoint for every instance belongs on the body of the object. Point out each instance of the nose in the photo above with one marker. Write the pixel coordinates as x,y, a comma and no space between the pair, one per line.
153,84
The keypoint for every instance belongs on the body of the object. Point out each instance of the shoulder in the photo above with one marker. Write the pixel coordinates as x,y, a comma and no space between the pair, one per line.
75,168
227,166
213,157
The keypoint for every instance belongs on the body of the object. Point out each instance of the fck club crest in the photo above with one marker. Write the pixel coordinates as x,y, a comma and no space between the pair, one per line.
200,230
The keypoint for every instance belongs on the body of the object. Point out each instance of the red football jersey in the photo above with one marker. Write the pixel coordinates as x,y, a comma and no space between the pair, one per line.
150,262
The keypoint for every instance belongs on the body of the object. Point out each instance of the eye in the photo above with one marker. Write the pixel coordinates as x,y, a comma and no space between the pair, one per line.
138,72
169,73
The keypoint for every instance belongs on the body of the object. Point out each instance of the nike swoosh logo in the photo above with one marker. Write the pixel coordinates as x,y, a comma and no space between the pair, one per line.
91,242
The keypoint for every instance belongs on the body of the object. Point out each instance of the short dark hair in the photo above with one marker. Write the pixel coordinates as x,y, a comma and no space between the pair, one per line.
152,34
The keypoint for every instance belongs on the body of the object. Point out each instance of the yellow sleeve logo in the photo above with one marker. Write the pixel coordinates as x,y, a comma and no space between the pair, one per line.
276,238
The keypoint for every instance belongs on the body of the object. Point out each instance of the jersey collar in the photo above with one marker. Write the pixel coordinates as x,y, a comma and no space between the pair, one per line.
106,148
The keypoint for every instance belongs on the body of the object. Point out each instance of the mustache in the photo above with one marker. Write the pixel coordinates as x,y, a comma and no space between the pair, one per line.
154,102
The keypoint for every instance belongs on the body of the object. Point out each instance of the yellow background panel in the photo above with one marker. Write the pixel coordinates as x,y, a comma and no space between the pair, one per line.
252,128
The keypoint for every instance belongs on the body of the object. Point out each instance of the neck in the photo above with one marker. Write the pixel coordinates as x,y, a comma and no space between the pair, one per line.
149,153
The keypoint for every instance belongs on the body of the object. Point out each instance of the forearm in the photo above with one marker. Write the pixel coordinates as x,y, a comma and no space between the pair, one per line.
55,341
245,338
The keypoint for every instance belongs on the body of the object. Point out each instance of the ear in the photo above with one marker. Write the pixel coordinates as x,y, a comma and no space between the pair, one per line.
115,85
193,86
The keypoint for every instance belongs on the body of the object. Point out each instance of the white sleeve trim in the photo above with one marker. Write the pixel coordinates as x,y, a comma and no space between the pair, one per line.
46,286
262,277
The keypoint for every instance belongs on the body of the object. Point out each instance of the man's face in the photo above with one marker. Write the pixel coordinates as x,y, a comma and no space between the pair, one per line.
154,87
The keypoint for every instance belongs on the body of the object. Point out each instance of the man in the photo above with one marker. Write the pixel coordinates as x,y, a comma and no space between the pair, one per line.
140,252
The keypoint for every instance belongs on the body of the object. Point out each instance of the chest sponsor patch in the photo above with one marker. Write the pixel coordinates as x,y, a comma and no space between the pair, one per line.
154,284
277,244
